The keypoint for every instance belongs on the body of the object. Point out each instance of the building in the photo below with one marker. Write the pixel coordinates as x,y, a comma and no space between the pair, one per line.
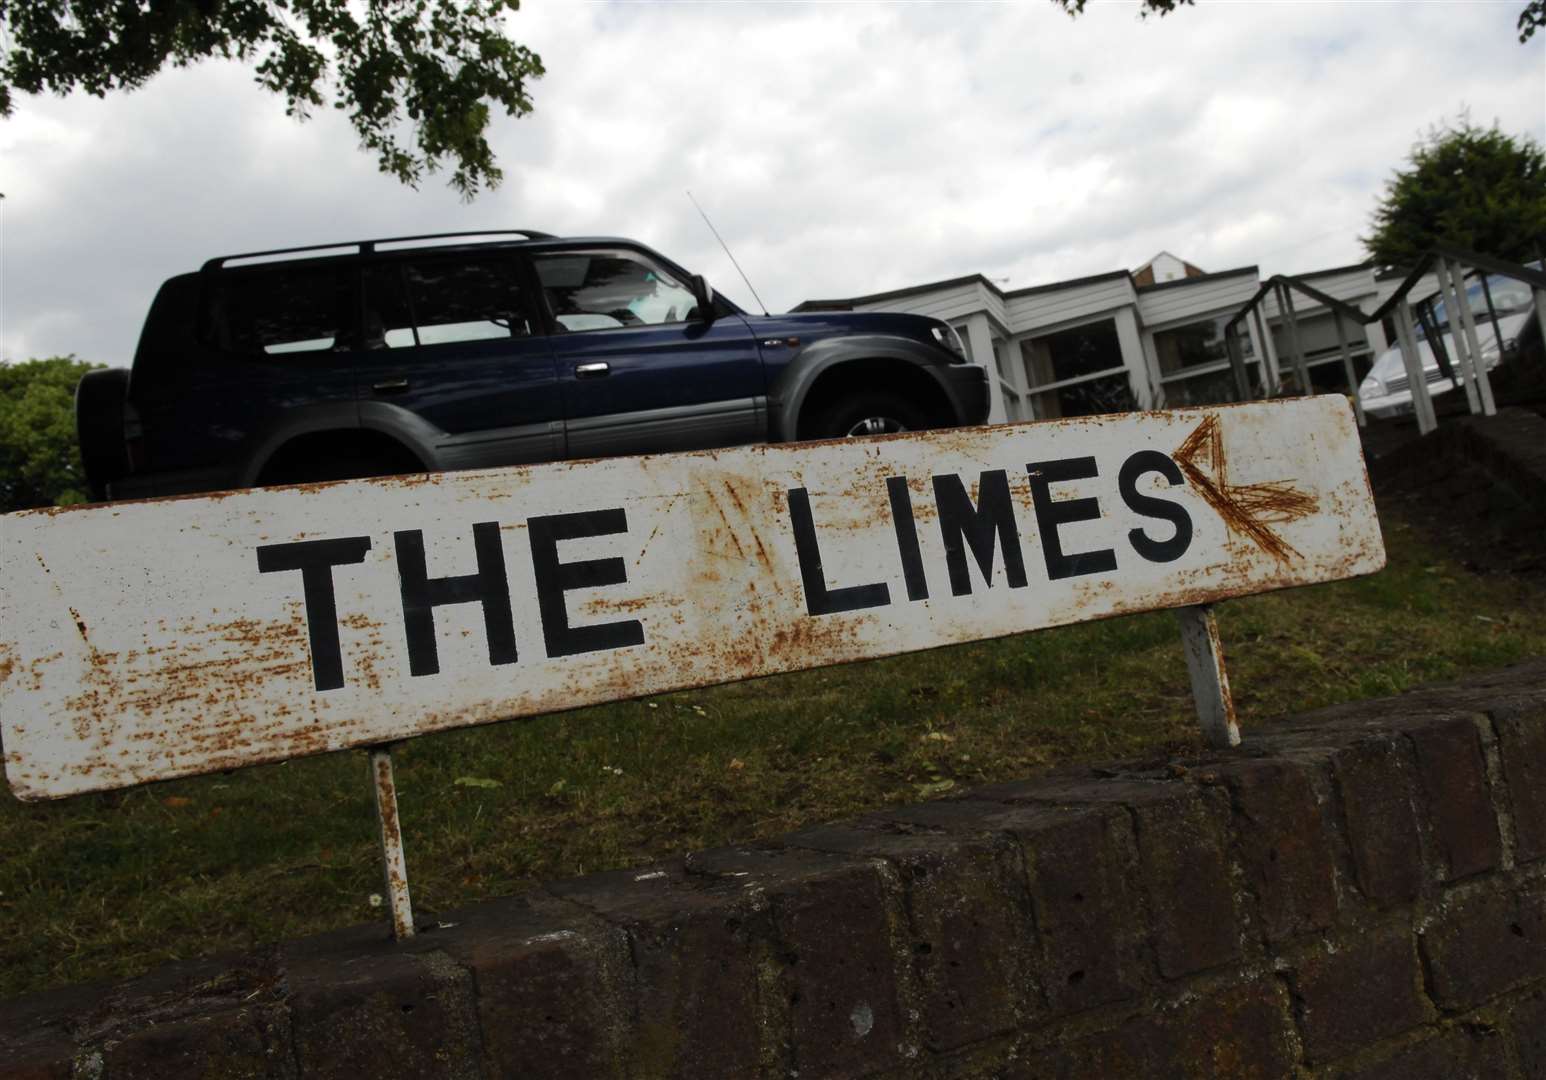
1148,338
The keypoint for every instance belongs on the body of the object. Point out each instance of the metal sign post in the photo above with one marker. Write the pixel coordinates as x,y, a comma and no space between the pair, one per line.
1210,683
393,862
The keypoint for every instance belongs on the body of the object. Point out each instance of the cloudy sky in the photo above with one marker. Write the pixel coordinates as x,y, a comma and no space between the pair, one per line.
841,148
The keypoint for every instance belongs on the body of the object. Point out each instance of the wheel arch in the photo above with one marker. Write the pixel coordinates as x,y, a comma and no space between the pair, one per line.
338,426
822,374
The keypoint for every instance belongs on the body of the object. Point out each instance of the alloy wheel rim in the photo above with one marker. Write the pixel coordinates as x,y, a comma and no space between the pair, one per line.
876,425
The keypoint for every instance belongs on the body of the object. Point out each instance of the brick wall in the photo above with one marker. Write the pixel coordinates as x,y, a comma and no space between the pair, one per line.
1360,892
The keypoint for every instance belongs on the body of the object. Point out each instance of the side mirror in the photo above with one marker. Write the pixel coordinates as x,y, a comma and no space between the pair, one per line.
703,298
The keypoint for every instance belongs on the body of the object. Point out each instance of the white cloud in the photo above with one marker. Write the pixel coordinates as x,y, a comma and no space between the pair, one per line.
840,148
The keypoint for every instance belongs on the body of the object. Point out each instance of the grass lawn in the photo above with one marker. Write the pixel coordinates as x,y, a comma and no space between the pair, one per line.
110,885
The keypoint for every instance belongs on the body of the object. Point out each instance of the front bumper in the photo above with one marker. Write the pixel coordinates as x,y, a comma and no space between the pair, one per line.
1399,402
967,385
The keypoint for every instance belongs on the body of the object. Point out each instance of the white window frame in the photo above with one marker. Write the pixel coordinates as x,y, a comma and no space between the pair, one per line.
1112,316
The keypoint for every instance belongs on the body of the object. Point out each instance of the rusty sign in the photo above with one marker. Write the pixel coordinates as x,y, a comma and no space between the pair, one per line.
142,641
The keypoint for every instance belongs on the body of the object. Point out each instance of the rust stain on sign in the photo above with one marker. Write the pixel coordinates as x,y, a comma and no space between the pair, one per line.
142,641
1246,509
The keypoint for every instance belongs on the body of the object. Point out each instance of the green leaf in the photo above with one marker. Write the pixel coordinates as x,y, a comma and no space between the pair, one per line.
419,79
39,456
477,781
1465,186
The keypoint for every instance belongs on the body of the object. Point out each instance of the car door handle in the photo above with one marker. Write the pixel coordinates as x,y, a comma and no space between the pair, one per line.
390,386
591,371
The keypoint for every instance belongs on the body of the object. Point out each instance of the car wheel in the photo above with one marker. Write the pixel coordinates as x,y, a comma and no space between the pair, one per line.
868,414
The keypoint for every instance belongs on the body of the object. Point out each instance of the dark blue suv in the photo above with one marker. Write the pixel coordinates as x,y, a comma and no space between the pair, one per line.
441,352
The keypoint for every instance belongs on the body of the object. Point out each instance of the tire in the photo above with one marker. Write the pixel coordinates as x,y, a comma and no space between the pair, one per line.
100,400
868,413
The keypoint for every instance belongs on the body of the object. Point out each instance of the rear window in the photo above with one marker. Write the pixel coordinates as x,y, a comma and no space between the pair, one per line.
277,312
437,301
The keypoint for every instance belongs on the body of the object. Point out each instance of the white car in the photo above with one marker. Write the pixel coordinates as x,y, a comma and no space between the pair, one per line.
1386,390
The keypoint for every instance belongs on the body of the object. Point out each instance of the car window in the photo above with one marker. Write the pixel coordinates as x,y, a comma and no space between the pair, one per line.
603,290
277,312
436,301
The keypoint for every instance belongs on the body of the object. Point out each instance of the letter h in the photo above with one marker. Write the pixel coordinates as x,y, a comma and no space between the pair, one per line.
422,594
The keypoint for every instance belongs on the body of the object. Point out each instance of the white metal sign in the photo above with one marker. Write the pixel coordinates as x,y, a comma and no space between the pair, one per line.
141,641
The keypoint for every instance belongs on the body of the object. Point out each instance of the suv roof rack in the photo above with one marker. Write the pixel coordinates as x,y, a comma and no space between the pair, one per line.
365,247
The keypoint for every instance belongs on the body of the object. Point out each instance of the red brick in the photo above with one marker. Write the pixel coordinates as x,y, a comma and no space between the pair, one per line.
1522,749
836,964
1284,845
1242,1033
968,920
1377,782
1453,776
1528,1025
1080,875
1186,877
696,943
1456,1054
1182,863
380,1010
240,1044
547,983
1485,943
1353,993
35,1041
38,1062
1088,916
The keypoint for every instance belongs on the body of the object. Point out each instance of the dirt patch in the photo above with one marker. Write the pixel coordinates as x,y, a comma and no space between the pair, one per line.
1483,524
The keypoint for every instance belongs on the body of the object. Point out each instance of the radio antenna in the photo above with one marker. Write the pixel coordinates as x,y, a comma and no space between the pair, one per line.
726,246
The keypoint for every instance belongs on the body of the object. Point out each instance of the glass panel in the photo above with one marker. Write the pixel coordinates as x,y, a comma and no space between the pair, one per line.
278,312
465,299
1069,354
1215,388
1318,336
438,301
388,321
1196,345
1111,394
605,290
